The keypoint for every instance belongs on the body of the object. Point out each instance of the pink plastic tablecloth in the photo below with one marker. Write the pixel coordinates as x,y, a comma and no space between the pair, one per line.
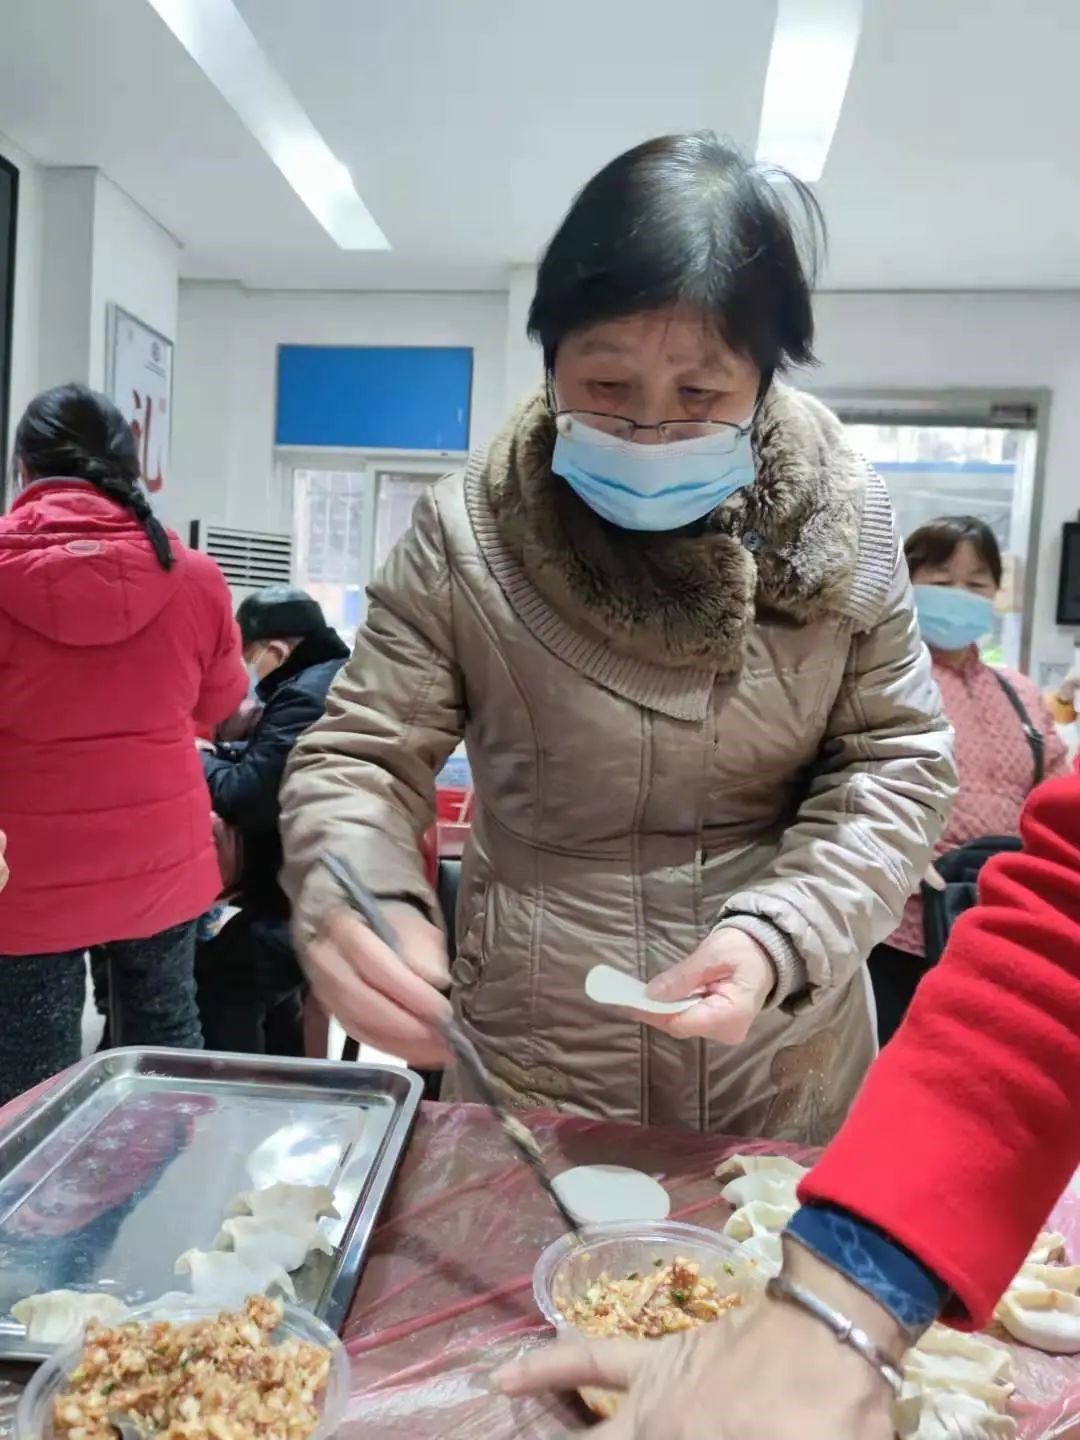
447,1292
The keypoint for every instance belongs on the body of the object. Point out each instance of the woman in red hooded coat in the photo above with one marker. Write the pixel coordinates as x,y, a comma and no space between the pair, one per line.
115,641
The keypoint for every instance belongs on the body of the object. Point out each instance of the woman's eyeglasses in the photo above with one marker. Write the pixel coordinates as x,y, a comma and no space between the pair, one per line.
668,431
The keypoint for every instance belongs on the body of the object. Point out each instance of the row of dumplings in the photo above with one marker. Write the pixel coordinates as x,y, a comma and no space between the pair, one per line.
1041,1307
762,1189
954,1384
265,1236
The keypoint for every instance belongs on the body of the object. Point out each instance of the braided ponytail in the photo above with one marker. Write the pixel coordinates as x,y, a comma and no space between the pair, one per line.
72,431
134,499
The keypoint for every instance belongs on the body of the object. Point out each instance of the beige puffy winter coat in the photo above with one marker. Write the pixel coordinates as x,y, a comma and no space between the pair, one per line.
737,727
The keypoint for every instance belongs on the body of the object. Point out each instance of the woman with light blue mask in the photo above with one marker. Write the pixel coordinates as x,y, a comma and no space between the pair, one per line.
1006,741
667,611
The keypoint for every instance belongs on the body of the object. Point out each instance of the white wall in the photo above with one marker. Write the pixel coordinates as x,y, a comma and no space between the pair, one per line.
225,381
67,267
81,243
27,300
524,365
135,265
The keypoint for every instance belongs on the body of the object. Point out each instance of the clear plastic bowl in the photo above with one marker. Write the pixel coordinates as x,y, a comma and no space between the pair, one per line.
34,1416
566,1269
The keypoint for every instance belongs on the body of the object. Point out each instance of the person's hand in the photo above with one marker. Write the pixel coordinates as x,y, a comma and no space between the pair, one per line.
776,1373
1066,690
394,1003
734,977
4,871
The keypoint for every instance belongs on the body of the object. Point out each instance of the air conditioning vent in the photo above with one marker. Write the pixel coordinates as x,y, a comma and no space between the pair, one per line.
249,560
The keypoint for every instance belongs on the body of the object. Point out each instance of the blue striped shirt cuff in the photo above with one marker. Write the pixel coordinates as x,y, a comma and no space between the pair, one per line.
883,1269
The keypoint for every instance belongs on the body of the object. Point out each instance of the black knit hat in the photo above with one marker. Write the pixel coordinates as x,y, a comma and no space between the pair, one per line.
279,612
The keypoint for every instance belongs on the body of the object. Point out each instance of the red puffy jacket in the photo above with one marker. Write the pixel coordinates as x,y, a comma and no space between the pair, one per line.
968,1127
107,662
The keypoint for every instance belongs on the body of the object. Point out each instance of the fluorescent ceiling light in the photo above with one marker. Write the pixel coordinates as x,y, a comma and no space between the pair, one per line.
215,35
809,66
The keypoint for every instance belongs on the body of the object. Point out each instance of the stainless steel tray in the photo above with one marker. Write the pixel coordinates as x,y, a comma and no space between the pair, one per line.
135,1158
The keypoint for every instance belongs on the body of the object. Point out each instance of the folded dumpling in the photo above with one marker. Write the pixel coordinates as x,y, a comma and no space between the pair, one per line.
759,1227
291,1202
759,1217
757,1164
1049,1245
274,1239
767,1250
223,1275
966,1361
1049,1277
772,1186
939,1415
58,1316
1044,1319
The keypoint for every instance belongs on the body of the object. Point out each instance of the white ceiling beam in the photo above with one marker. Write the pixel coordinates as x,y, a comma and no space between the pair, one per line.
217,38
810,62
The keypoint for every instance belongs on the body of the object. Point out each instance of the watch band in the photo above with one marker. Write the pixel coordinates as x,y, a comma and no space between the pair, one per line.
845,1330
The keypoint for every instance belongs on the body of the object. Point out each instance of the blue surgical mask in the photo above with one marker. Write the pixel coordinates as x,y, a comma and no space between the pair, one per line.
652,487
951,618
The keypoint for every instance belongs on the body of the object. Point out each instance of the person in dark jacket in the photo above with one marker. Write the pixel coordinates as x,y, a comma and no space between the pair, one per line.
250,984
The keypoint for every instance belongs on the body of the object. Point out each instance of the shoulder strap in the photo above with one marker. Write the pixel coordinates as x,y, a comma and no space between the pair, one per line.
1035,737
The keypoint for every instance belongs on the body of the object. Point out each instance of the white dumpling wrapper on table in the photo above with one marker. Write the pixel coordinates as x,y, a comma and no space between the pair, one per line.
223,1275
58,1316
291,1202
1044,1319
261,1240
774,1187
757,1164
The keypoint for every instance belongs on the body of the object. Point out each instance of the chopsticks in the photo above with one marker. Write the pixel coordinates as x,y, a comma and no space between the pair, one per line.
461,1047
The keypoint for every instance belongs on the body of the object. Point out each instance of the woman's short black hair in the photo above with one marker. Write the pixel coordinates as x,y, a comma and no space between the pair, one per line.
686,219
935,542
74,433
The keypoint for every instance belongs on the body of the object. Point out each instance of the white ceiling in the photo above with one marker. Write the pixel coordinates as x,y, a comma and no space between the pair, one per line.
468,124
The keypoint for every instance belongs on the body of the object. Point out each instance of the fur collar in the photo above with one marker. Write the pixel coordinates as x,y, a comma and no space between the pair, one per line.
784,548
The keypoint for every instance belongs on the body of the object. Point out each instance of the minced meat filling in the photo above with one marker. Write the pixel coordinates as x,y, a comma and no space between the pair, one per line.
219,1379
671,1298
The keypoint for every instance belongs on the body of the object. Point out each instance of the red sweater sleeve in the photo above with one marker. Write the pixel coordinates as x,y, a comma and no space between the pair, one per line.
968,1127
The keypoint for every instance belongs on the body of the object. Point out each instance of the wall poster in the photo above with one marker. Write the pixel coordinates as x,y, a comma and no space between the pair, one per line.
138,373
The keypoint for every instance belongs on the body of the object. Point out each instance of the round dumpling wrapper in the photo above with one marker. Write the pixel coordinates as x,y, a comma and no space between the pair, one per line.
611,1194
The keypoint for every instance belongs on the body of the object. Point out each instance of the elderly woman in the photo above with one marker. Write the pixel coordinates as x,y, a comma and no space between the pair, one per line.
1005,739
668,612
